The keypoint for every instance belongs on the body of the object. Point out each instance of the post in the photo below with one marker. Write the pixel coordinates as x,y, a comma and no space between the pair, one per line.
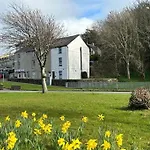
3,77
50,78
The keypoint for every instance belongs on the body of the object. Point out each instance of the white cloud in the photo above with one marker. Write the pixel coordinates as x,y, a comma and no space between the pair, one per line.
73,13
77,26
68,11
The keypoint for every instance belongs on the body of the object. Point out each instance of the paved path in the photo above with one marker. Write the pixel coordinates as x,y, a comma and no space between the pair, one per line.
98,92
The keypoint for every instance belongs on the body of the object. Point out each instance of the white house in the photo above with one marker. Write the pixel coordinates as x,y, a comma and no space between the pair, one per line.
67,60
70,58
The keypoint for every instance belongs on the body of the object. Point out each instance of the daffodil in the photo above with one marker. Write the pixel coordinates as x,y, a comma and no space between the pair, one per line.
100,117
107,134
24,114
84,119
33,114
7,118
91,144
65,126
41,123
106,145
17,123
76,143
11,140
62,118
119,139
47,128
67,146
61,141
44,116
37,132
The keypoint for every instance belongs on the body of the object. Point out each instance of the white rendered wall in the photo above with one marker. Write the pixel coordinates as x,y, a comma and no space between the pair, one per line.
55,62
74,58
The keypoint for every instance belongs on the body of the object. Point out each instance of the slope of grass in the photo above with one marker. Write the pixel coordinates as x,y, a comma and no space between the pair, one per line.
135,125
31,87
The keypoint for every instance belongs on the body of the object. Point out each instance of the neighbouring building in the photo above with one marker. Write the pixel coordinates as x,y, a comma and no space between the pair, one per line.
68,59
7,62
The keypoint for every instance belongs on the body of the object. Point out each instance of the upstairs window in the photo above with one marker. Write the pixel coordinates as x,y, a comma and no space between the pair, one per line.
60,61
33,64
18,56
59,50
18,64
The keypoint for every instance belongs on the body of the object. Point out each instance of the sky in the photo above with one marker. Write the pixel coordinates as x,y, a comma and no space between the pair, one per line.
76,15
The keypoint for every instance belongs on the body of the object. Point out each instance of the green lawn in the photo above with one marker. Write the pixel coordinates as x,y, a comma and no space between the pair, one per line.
135,125
32,87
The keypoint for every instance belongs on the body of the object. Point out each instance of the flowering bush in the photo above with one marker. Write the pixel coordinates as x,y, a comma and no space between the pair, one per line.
40,133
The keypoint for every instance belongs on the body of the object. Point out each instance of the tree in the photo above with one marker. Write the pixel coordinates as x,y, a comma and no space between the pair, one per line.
91,37
141,12
119,34
31,29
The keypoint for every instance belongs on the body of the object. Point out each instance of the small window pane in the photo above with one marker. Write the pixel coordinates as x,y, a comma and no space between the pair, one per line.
60,50
60,61
60,74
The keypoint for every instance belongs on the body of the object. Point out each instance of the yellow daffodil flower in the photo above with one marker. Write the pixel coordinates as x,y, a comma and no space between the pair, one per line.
100,117
17,123
91,144
107,134
62,118
106,145
24,114
84,119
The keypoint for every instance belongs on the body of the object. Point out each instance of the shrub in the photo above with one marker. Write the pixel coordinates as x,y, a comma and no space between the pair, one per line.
84,75
140,99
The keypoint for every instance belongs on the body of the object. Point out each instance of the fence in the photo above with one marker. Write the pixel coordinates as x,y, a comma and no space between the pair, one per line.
108,85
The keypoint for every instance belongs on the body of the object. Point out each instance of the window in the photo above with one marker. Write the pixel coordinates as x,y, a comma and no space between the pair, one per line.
33,64
13,64
25,74
60,61
60,74
18,64
59,50
28,74
19,75
18,56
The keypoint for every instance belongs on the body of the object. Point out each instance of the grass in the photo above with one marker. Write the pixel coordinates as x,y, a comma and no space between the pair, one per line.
135,125
31,87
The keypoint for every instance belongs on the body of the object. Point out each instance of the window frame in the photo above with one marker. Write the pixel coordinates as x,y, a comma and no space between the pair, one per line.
60,61
60,74
60,50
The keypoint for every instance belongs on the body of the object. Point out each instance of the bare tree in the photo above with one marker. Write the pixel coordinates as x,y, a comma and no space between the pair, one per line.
29,28
141,12
119,34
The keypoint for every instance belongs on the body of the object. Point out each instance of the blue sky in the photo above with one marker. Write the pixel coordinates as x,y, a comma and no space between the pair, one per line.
76,15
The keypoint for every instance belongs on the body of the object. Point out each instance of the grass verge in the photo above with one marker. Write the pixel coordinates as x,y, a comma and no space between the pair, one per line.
133,124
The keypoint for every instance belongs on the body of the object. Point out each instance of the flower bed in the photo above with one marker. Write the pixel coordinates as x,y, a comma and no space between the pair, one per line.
41,133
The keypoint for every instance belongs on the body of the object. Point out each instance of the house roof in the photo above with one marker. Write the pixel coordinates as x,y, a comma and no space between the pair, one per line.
58,43
94,48
64,41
